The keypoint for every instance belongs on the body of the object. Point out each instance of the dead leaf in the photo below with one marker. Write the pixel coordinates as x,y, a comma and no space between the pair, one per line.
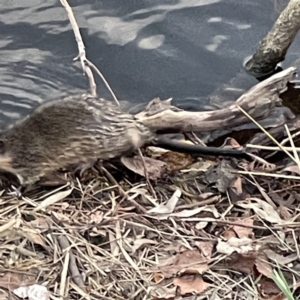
9,225
206,248
221,175
176,161
236,185
200,225
38,223
280,259
96,218
189,284
264,210
189,261
242,262
155,168
284,212
186,213
61,217
169,206
33,292
140,242
53,199
12,280
243,231
292,169
242,245
263,266
33,236
158,277
229,233
268,288
163,293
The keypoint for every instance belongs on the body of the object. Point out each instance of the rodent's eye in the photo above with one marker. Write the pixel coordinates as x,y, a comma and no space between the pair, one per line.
2,147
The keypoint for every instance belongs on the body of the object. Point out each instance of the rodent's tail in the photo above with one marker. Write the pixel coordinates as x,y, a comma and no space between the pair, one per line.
198,149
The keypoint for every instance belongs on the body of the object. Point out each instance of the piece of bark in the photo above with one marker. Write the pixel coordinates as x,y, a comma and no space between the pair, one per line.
273,47
260,102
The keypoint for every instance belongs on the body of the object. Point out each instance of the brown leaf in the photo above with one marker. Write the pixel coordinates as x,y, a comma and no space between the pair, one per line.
176,161
12,280
188,261
39,223
243,231
269,288
158,277
284,212
262,265
242,262
155,168
206,248
192,283
236,185
229,233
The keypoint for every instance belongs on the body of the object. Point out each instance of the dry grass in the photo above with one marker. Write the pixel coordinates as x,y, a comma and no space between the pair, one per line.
95,240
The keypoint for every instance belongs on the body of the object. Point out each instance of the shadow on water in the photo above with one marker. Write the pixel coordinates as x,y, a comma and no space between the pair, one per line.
185,49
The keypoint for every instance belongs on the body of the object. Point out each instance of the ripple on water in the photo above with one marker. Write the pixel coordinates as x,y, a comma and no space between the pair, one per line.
185,49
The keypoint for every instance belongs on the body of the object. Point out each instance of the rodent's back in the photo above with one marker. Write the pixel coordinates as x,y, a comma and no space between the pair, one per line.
72,130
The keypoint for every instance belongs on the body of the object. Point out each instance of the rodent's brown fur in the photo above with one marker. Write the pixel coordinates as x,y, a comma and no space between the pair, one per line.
79,130
73,130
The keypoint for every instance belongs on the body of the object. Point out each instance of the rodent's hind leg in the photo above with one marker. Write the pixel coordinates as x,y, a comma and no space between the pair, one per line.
81,168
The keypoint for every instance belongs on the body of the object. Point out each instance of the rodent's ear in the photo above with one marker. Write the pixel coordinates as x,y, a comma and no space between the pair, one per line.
2,147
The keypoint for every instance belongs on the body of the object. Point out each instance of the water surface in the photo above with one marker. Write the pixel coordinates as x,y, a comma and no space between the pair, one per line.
183,49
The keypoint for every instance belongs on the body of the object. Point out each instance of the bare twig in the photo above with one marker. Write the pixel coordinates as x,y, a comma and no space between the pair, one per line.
85,63
121,191
146,173
89,63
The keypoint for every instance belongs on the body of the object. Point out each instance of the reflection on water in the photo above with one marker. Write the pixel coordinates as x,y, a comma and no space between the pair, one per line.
183,49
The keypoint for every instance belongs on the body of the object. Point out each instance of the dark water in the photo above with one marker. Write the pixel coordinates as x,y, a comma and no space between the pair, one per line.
183,49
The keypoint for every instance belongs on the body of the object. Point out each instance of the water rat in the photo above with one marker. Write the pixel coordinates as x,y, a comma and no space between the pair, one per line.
78,130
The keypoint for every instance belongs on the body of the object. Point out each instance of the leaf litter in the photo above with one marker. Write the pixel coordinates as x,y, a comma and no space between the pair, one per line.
207,232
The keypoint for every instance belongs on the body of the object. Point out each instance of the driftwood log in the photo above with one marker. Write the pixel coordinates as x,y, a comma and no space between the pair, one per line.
260,102
272,49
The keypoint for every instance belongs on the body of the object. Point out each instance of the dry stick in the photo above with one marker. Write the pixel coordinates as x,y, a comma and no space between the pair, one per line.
296,155
85,63
272,148
267,134
122,192
274,45
74,272
146,173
